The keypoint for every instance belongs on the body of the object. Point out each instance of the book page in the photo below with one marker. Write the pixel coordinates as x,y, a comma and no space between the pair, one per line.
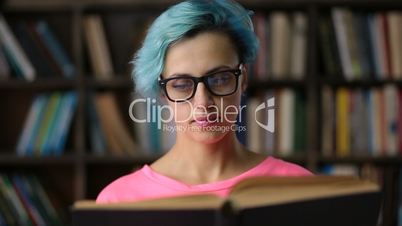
264,191
207,201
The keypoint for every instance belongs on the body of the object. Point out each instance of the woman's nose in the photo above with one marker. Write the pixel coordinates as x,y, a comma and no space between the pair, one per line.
202,96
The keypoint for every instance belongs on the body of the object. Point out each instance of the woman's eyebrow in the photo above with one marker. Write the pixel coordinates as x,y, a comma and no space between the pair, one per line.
218,69
179,75
215,69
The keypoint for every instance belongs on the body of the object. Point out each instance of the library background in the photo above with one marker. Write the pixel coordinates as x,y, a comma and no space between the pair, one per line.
334,67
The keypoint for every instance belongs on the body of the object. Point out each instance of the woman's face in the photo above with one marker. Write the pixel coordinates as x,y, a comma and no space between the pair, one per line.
205,117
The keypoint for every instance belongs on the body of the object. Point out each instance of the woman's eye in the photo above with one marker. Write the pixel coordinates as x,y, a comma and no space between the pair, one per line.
182,85
220,79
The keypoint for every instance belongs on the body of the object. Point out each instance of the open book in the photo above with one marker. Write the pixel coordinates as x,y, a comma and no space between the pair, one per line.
273,201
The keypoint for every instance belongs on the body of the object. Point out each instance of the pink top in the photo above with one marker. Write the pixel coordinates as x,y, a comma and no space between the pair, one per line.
146,183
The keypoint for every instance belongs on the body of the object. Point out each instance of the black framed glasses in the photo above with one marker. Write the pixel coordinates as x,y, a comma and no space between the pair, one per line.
219,83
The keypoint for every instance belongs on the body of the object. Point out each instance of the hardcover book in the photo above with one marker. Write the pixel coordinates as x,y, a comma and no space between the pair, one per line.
279,201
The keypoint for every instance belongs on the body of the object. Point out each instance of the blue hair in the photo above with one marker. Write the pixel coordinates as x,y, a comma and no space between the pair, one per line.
184,20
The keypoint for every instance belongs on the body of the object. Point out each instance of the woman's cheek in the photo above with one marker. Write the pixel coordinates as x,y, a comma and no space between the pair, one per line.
182,114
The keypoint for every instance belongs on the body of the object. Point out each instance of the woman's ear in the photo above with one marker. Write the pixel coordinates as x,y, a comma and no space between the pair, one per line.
244,78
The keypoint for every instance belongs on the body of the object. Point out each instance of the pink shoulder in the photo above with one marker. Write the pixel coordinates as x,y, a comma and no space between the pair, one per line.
283,168
117,190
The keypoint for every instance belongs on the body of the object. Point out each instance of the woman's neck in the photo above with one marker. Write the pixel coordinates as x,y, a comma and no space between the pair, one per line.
205,163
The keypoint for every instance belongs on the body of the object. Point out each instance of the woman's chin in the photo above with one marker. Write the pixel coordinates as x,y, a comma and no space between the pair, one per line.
207,135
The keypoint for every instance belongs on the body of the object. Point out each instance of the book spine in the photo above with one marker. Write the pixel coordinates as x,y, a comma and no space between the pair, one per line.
27,201
14,49
29,124
64,127
11,194
56,49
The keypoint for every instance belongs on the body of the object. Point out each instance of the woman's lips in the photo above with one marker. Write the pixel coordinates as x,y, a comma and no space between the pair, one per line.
206,120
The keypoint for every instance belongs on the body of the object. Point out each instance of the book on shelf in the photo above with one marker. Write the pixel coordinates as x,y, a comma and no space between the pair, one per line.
7,217
270,138
328,47
254,132
366,44
14,52
56,51
96,134
328,125
151,135
282,45
26,202
342,122
280,40
283,201
13,202
50,113
394,19
108,132
362,122
58,139
98,48
288,118
299,45
378,33
260,69
286,109
4,67
32,50
47,124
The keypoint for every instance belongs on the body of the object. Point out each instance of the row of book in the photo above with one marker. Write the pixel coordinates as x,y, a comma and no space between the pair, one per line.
282,54
101,38
47,124
98,47
287,114
362,122
110,135
108,132
283,45
24,201
361,45
30,49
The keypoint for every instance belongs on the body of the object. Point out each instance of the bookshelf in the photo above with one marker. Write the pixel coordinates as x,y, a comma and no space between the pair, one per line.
79,173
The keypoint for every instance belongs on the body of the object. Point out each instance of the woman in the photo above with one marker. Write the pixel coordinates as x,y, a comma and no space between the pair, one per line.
194,58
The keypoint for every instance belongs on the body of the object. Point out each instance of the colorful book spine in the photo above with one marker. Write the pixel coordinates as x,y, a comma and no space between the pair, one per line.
15,52
56,49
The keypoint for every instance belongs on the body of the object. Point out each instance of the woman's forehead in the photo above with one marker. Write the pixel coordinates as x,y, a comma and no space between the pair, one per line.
200,53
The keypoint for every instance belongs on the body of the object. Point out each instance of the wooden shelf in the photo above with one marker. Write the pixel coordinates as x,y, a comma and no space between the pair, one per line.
118,82
159,4
40,84
118,160
362,160
300,159
359,83
19,161
258,85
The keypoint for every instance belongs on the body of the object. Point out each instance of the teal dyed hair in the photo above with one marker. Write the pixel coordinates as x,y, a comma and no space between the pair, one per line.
185,20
